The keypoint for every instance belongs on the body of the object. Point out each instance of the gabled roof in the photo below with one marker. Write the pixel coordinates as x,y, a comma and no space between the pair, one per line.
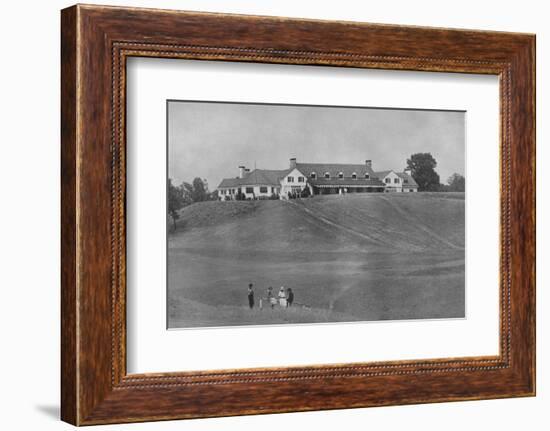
334,169
410,180
383,174
402,175
264,177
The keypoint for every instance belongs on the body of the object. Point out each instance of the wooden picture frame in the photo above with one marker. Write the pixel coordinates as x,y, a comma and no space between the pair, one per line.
95,43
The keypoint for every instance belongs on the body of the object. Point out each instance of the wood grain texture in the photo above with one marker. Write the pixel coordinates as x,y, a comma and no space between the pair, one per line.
69,365
96,41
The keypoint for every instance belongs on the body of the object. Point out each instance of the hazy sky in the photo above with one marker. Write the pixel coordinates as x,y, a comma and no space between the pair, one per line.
210,140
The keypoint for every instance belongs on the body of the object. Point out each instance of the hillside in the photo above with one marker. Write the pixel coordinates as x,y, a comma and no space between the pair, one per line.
358,257
406,222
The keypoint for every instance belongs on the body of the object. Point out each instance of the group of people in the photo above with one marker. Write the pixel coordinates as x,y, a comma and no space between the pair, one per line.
284,298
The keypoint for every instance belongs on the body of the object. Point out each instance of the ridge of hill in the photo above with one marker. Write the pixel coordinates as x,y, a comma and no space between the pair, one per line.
406,222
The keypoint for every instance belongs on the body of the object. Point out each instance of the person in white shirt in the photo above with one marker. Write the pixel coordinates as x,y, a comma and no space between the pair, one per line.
282,297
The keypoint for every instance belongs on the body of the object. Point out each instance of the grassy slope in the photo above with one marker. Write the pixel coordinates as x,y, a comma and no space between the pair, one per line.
359,257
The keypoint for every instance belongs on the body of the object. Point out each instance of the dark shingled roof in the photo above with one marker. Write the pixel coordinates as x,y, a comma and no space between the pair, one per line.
410,180
382,174
346,182
334,169
263,177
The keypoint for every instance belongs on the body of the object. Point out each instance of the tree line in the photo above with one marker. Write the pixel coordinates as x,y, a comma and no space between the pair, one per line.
185,194
422,167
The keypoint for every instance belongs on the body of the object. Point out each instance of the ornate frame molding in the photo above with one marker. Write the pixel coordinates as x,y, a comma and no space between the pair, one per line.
96,41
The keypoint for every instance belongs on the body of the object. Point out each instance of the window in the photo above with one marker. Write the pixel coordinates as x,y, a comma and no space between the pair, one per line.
367,176
272,189
406,181
263,189
396,180
313,175
301,179
354,176
327,175
250,190
388,180
340,175
290,179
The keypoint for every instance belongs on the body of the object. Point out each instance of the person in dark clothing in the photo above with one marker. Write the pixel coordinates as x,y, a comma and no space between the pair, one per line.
250,296
289,297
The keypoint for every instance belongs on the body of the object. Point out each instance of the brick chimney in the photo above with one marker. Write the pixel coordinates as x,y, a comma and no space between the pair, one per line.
368,163
293,163
408,171
241,171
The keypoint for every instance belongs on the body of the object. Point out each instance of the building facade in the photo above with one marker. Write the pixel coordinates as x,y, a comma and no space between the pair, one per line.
398,181
317,178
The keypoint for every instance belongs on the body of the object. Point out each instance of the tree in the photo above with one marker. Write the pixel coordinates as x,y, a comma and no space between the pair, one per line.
200,190
187,190
457,183
422,166
175,201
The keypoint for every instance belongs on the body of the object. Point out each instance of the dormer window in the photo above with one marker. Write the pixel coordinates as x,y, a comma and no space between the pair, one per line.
354,176
367,176
327,175
340,175
313,176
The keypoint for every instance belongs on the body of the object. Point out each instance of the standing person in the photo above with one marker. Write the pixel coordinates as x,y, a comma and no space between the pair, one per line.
250,296
270,298
282,297
289,297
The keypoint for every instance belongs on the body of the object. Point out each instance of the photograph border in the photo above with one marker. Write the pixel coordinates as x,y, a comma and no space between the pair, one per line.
95,43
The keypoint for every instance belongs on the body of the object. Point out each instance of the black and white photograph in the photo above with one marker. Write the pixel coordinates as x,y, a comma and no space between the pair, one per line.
286,214
304,214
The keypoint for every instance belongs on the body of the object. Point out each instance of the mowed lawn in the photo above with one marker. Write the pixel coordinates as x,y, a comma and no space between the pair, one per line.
354,258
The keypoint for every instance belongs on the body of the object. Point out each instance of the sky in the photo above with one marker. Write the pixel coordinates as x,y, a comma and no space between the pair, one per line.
210,140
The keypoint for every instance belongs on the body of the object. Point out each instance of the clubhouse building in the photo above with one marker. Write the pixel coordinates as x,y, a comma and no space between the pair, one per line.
318,178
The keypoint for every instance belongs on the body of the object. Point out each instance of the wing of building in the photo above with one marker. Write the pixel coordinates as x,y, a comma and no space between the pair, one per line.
256,184
398,181
317,178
